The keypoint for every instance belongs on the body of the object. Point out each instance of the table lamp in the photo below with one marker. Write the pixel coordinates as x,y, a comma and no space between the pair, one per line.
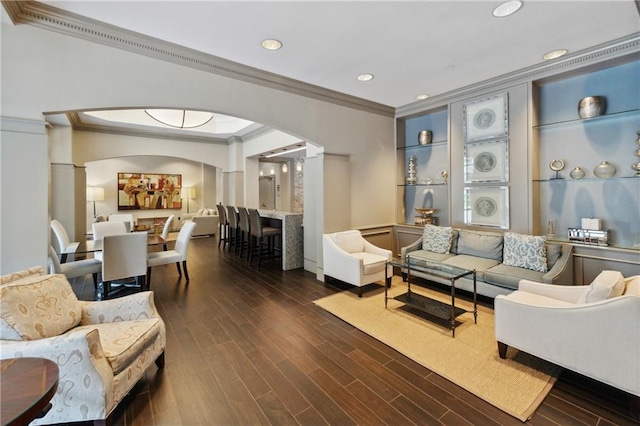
95,193
188,193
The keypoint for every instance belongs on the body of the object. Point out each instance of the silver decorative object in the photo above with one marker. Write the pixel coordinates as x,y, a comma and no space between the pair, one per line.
424,137
636,166
445,176
411,171
591,106
577,173
605,170
556,165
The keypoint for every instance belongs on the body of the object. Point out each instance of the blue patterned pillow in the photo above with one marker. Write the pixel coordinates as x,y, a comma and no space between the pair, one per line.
525,251
437,238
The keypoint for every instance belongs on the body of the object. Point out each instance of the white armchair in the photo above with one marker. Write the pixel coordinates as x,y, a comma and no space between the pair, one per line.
592,330
102,348
350,258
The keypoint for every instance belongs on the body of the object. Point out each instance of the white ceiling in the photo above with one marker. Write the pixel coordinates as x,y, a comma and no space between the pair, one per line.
411,47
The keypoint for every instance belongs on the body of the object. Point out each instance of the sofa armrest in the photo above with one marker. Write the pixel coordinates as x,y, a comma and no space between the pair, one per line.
570,294
562,271
417,245
132,307
85,375
339,264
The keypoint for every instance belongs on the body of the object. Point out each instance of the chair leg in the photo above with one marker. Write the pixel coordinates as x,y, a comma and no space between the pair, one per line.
160,361
149,275
359,291
502,350
179,270
186,273
63,257
104,422
95,281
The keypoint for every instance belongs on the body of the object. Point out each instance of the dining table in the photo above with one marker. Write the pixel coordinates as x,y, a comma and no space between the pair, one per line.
92,246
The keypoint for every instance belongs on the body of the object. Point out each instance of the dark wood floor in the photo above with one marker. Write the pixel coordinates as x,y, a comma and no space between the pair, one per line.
248,347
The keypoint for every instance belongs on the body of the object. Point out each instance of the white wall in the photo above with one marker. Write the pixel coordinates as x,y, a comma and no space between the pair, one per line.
88,75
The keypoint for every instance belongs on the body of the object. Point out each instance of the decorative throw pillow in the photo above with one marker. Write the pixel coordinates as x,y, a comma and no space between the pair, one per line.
437,238
525,251
37,307
350,241
9,278
606,285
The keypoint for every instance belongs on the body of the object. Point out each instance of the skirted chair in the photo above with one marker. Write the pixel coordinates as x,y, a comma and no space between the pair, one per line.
124,256
165,231
262,238
102,349
592,330
349,257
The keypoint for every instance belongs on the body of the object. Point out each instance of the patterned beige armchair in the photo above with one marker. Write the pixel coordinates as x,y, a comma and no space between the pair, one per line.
101,348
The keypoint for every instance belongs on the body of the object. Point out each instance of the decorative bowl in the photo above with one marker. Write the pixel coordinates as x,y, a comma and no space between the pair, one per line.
426,212
591,106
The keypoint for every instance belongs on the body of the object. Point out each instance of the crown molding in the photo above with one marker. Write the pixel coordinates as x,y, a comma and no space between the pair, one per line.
617,51
51,18
78,125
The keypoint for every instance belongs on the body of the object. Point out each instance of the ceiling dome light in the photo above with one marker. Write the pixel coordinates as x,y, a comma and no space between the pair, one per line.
555,54
422,97
507,8
180,118
271,44
365,77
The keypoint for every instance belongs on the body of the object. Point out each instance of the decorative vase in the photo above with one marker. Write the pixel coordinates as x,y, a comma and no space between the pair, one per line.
591,106
577,173
604,170
411,171
424,137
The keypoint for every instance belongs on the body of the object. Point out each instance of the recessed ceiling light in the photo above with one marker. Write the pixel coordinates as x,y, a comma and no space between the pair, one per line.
507,8
554,54
421,97
365,77
271,44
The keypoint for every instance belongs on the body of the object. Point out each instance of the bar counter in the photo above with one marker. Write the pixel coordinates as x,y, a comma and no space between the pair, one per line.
292,236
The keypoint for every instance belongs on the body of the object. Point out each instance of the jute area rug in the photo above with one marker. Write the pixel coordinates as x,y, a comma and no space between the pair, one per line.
516,385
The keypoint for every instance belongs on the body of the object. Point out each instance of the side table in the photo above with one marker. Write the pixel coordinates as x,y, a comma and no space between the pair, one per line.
28,384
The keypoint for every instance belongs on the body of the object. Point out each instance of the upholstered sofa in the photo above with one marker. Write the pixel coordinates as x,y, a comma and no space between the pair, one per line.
591,329
101,348
501,260
206,221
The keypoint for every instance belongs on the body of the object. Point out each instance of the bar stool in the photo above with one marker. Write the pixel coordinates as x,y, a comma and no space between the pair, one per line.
223,225
258,234
234,230
245,233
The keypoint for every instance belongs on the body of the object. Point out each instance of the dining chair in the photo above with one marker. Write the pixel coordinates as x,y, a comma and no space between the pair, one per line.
223,224
126,218
177,255
76,268
102,229
244,227
232,218
165,231
124,256
65,245
259,232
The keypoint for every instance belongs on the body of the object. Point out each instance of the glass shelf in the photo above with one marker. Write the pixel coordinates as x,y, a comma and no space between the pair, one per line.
423,184
600,118
594,179
429,145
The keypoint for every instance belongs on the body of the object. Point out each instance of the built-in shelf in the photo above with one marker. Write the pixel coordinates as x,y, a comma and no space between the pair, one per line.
595,179
429,145
581,121
423,184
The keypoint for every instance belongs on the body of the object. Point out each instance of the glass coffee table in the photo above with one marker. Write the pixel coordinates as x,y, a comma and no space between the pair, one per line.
434,308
